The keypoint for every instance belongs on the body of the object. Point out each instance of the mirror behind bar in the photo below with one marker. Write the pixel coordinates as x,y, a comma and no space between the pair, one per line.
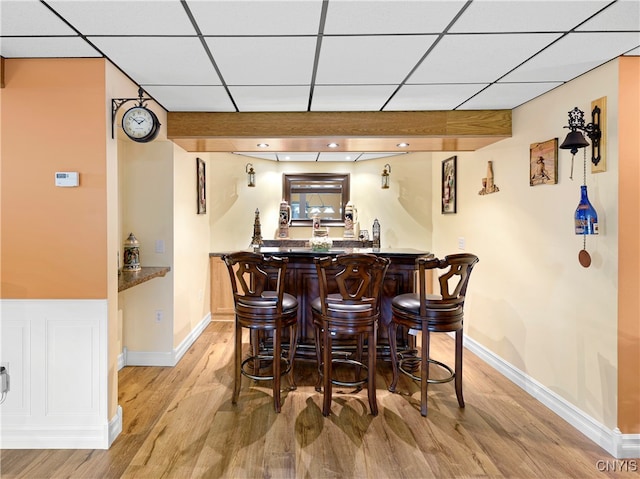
321,194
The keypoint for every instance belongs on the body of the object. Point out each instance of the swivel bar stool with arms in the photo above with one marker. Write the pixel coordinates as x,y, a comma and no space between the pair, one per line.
261,305
428,313
349,304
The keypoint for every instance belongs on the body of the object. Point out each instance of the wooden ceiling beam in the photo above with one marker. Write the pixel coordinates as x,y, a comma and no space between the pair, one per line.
210,131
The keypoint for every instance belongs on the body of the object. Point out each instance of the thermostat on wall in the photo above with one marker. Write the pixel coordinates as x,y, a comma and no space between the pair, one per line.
67,178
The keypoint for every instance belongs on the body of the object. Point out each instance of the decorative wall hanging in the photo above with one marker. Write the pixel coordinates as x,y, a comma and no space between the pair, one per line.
601,104
449,185
488,186
543,163
201,185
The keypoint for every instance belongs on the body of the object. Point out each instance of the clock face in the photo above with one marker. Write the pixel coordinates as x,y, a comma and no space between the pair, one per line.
140,124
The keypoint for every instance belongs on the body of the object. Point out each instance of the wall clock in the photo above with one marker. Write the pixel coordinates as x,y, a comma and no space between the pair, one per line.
140,124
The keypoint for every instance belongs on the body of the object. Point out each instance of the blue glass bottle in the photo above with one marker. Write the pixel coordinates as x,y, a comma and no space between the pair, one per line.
586,217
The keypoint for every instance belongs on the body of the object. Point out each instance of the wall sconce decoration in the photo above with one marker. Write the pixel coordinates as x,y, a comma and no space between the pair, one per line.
385,176
575,139
585,218
251,175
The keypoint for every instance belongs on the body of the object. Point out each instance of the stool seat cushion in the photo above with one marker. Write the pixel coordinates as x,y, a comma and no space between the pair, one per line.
335,303
410,302
268,299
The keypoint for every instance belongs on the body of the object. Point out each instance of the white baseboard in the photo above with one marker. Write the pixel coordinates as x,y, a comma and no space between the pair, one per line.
115,426
614,442
169,358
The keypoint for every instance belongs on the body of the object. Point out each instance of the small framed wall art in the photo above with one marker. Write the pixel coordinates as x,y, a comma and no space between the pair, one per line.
201,186
449,185
543,163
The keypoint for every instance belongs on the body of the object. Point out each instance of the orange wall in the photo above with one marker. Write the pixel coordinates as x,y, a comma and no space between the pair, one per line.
53,240
629,248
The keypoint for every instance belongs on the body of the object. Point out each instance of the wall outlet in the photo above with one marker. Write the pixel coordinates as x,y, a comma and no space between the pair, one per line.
159,246
461,243
159,315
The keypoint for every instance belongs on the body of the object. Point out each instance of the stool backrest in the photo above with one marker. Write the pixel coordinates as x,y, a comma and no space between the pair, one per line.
453,282
251,283
347,281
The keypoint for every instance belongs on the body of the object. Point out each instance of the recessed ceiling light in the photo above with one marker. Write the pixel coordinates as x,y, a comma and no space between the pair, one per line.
333,145
402,145
263,145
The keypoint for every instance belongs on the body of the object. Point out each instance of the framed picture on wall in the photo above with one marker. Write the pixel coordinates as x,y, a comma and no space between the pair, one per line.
449,185
543,163
201,186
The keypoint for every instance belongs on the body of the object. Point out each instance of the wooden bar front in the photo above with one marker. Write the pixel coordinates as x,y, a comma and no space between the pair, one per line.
302,282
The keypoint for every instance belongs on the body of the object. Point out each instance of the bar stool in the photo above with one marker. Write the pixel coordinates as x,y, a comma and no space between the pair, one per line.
353,310
441,313
261,305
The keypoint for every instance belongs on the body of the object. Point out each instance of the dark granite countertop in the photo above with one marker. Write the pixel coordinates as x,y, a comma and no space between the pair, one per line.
129,279
306,251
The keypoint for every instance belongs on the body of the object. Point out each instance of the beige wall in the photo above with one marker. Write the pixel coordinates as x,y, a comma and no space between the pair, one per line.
191,248
530,302
404,210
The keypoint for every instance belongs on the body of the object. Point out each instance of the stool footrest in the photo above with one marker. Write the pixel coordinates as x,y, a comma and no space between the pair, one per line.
412,362
352,362
256,377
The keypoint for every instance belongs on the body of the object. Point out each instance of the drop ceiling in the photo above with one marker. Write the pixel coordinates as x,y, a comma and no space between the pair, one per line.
330,55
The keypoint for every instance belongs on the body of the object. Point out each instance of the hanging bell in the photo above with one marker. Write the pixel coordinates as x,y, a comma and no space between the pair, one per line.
573,141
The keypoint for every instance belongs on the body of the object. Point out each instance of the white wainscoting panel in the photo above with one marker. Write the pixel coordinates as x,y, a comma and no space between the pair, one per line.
57,356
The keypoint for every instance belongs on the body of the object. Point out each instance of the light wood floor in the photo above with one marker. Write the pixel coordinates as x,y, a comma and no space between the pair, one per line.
179,423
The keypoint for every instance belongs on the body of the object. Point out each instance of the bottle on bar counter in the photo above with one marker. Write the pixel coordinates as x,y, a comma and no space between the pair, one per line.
376,233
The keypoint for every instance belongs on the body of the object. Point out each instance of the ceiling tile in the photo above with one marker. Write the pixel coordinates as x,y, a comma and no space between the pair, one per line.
622,15
573,55
507,95
525,15
49,47
375,17
257,17
129,17
350,97
191,98
160,60
30,17
271,98
264,61
432,97
478,58
370,59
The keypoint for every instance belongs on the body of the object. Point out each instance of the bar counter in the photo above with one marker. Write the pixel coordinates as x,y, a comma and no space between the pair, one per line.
302,282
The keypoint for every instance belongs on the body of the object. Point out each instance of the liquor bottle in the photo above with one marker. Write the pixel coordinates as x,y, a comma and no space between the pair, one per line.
376,233
586,217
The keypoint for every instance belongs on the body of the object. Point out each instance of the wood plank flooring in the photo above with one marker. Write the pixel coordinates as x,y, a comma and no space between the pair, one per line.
179,423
